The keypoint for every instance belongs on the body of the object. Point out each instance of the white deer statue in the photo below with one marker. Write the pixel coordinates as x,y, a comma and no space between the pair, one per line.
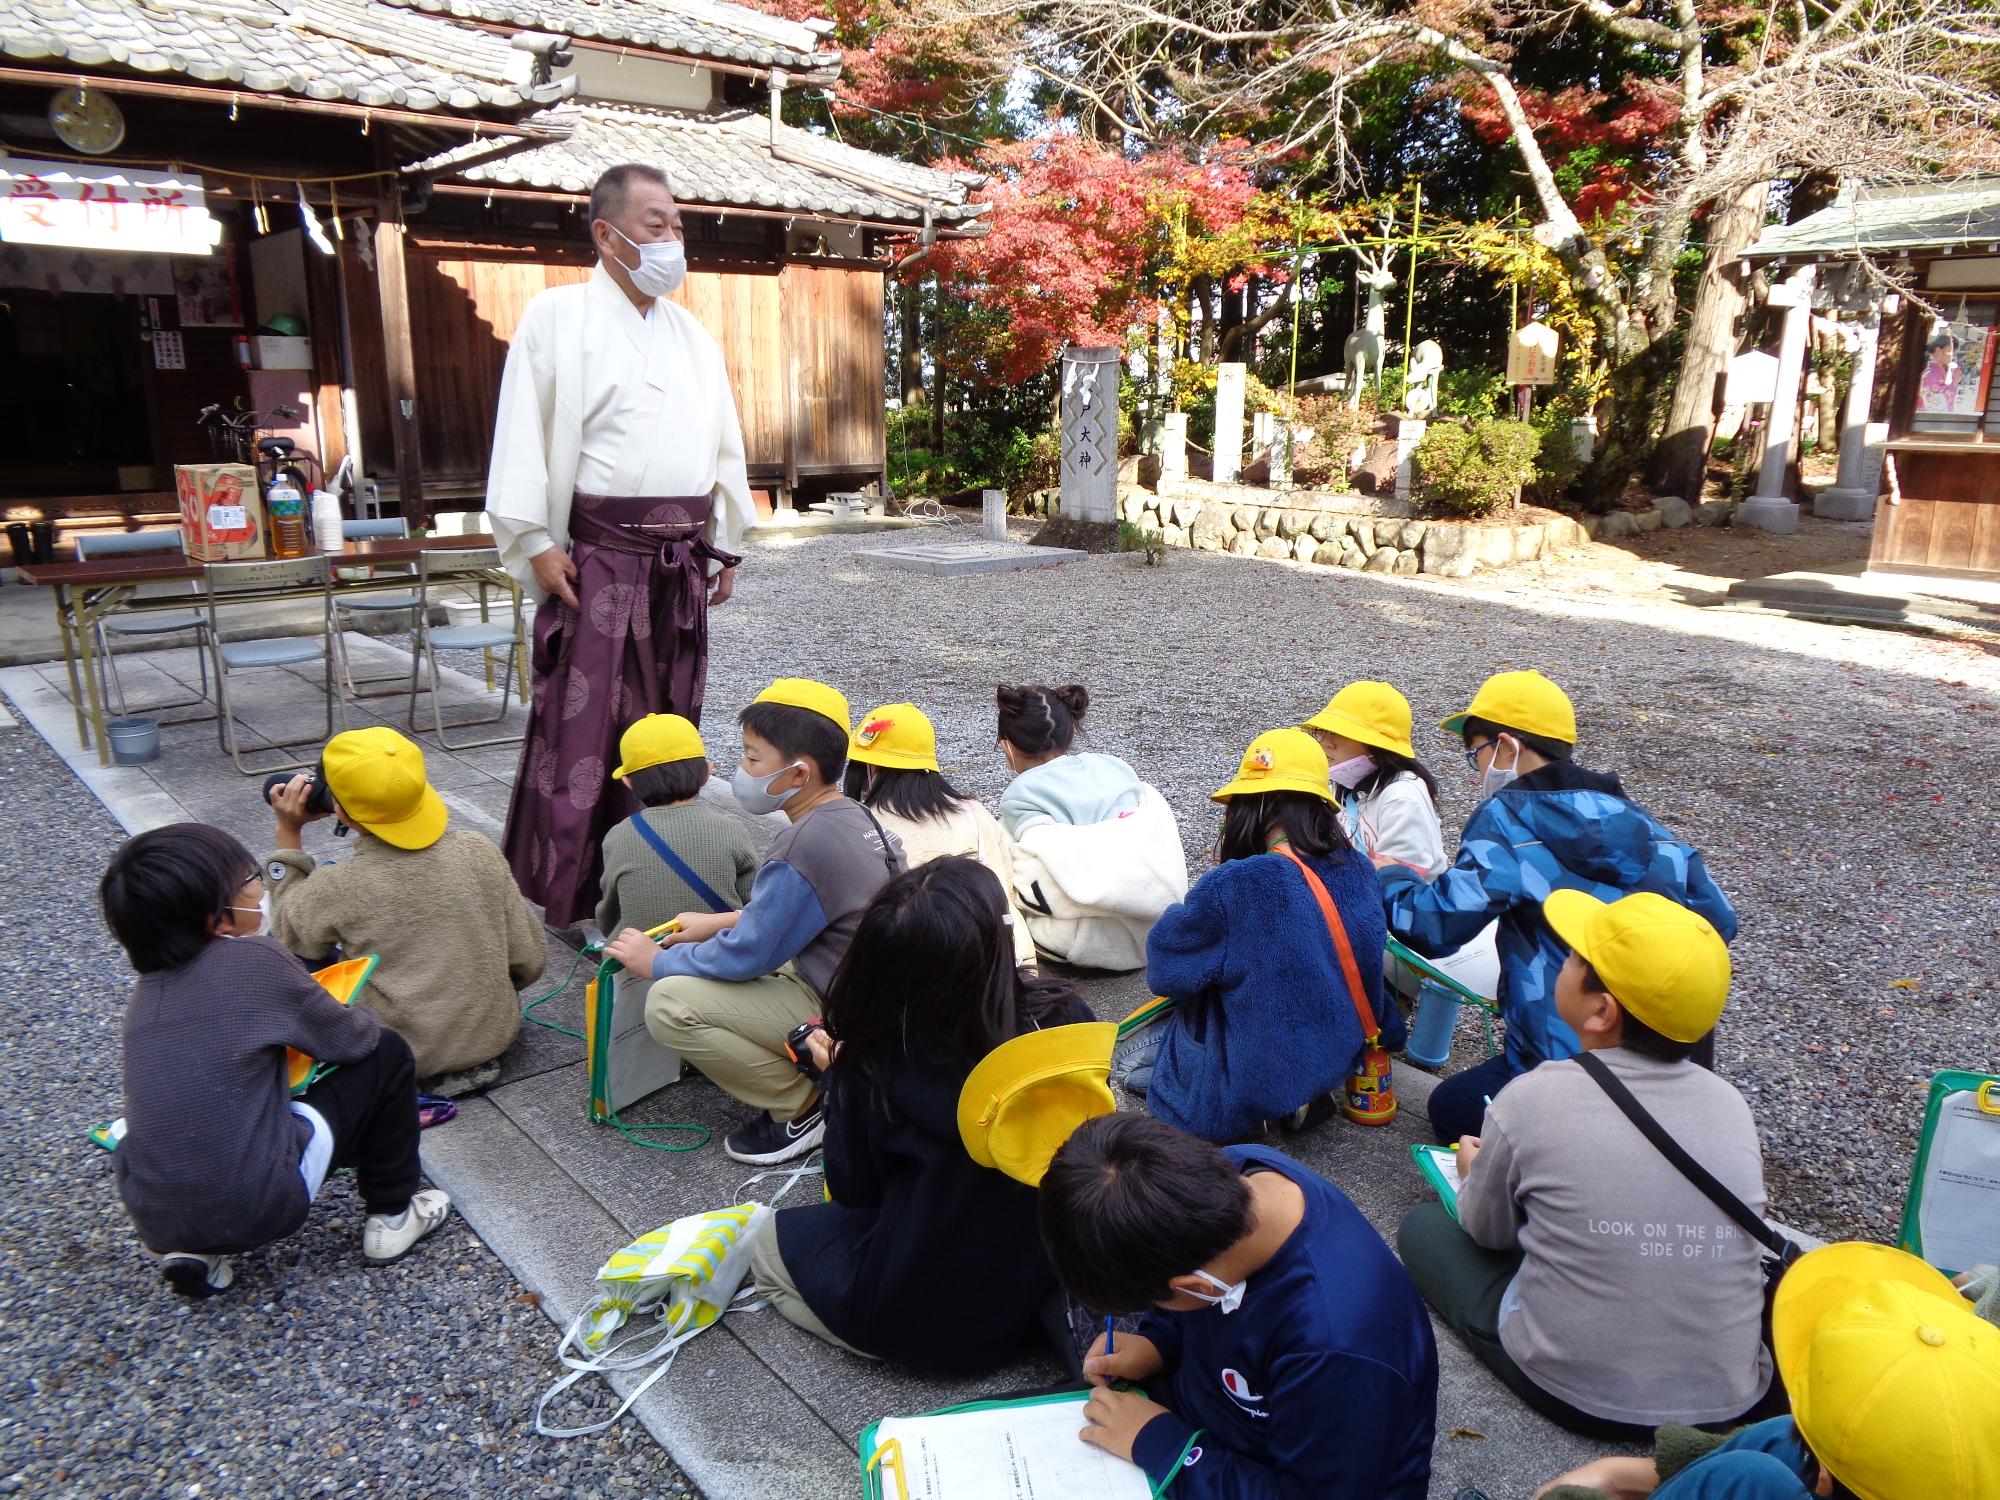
1366,346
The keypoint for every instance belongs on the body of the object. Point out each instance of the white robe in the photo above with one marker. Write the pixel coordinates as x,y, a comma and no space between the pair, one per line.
600,397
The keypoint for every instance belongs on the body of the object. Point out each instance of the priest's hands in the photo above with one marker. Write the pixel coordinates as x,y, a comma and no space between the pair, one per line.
721,587
554,571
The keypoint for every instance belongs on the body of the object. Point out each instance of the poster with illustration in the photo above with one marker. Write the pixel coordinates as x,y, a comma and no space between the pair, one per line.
206,289
1954,359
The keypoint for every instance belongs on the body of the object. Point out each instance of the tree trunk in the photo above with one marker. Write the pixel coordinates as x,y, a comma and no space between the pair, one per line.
1682,457
910,351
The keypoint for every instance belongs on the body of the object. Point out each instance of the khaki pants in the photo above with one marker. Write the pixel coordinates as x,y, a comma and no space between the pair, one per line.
775,1283
735,1033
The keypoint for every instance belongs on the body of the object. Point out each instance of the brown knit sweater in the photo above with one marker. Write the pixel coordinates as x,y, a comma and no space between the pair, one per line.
456,938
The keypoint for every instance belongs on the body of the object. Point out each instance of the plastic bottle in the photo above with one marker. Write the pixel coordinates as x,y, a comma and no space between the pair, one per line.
326,521
287,509
1371,1088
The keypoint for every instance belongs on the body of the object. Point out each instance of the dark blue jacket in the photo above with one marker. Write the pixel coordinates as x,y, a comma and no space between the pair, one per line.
1323,1383
1559,828
1264,1021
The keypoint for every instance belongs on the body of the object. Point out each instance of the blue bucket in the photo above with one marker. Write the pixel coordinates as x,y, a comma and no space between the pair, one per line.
1436,1019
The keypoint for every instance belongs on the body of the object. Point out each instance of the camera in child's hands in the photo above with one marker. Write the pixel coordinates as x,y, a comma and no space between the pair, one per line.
801,1054
319,800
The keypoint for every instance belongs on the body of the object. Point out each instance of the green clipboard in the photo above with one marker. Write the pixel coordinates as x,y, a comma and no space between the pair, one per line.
1430,1162
875,1460
1985,1091
1416,962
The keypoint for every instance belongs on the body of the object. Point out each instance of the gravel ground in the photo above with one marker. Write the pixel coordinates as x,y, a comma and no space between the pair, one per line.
314,1374
1839,780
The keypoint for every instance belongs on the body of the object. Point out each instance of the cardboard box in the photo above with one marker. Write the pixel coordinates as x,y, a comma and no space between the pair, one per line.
222,512
280,352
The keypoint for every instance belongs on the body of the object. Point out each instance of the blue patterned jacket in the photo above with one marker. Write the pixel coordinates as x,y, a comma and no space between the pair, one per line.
1559,828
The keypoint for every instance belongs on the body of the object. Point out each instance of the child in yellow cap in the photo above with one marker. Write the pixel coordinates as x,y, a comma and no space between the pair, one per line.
1602,1286
893,771
676,854
1545,823
729,988
1895,1387
1269,1024
437,904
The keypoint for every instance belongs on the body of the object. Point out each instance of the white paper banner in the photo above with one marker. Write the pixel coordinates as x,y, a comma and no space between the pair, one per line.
104,208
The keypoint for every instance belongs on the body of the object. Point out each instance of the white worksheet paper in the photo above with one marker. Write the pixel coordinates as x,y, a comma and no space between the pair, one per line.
1959,1214
1008,1453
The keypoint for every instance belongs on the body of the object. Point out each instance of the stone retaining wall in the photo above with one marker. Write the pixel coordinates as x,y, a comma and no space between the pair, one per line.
1368,533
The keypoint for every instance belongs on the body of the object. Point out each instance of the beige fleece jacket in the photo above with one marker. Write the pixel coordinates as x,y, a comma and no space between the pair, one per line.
456,938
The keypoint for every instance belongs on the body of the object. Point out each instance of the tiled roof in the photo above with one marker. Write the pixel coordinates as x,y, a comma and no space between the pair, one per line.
357,50
725,158
1878,219
698,28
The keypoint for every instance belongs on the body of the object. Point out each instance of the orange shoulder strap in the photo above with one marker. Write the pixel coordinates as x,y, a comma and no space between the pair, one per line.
1343,949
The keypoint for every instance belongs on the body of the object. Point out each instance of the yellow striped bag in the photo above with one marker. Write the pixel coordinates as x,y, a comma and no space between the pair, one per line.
687,1274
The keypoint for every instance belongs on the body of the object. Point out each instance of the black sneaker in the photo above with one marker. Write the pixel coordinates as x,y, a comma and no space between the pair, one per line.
197,1275
764,1141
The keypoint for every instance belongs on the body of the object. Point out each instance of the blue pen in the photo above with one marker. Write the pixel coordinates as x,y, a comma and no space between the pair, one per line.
1110,1336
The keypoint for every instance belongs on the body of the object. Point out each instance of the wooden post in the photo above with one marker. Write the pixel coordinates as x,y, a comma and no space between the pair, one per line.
392,282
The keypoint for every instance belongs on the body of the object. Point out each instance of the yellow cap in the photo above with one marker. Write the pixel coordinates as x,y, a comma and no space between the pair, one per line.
1280,760
1526,702
1027,1095
896,735
377,777
657,739
1895,1382
814,697
1373,713
1663,963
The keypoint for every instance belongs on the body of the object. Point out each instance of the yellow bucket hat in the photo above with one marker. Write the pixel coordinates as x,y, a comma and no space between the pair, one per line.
1027,1095
1526,702
1280,760
377,777
1373,713
1662,962
897,736
814,697
656,740
1895,1382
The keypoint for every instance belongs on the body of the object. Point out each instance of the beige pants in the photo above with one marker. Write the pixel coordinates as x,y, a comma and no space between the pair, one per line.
776,1286
735,1033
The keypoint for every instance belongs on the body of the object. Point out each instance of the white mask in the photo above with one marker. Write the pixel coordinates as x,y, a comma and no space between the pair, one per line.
1352,772
263,910
754,794
1230,1298
662,265
1495,778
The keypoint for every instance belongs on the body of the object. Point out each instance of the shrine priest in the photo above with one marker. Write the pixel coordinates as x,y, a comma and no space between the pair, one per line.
618,498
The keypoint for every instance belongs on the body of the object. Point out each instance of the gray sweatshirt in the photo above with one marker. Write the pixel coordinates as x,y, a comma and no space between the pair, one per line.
1638,1300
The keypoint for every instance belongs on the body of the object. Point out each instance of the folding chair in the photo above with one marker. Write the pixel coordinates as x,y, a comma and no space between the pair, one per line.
143,626
453,568
373,604
222,581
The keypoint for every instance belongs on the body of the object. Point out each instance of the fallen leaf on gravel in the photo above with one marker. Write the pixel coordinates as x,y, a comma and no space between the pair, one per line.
1903,984
530,1299
1466,1432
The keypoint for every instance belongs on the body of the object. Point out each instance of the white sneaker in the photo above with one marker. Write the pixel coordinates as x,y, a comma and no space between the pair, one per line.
383,1241
197,1275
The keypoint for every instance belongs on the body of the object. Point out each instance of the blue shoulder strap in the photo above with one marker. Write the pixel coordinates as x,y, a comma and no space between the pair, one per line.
679,866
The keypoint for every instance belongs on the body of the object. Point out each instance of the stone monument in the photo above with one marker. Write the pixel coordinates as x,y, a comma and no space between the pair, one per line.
1228,423
993,515
1090,434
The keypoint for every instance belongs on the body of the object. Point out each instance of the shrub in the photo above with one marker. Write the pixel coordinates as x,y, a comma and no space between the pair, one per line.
1472,470
1474,392
1557,465
1143,540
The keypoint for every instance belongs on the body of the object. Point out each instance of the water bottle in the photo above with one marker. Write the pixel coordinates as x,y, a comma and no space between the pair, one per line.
287,509
1430,1034
1371,1087
326,522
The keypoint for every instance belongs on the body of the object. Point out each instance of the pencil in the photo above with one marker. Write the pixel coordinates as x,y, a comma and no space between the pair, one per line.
1110,1335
